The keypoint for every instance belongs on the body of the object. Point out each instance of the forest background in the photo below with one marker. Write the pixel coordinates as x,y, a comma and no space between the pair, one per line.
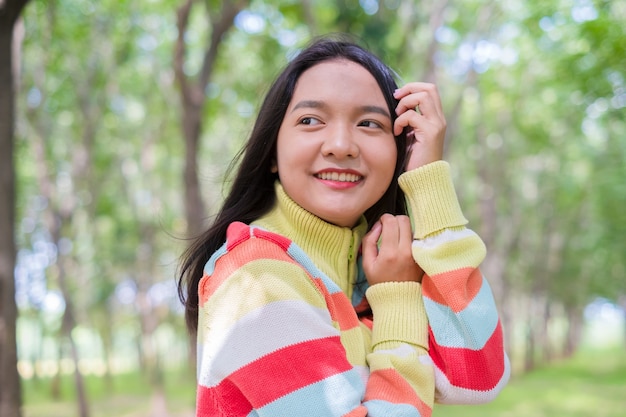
124,115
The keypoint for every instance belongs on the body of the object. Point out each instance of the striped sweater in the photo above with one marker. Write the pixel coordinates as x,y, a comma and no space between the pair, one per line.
284,328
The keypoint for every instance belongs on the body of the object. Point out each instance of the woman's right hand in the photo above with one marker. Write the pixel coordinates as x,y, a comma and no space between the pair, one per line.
393,260
419,108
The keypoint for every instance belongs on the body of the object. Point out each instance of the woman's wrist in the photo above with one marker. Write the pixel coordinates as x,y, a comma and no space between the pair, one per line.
399,313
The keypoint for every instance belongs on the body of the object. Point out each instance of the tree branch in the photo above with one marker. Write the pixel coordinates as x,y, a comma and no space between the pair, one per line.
182,21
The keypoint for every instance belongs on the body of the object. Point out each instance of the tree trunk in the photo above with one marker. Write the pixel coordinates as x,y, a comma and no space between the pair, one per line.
55,381
107,348
68,324
193,101
574,331
529,345
544,333
149,321
436,20
10,394
59,215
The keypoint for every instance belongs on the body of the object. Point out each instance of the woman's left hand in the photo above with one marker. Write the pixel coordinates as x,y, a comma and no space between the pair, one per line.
420,109
393,260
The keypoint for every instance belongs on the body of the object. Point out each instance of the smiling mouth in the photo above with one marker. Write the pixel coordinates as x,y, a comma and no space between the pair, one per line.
336,176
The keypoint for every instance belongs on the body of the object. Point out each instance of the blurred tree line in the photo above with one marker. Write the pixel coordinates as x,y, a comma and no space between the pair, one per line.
127,114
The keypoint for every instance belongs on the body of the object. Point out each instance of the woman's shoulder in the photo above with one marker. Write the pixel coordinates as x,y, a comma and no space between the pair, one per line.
250,250
260,261
239,232
245,243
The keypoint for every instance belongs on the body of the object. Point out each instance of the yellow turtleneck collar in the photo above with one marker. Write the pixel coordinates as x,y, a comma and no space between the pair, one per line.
332,248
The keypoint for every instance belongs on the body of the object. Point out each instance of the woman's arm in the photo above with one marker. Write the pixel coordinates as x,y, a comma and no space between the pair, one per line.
399,357
401,378
466,343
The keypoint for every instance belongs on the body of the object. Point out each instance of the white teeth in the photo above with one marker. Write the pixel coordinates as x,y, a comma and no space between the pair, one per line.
335,176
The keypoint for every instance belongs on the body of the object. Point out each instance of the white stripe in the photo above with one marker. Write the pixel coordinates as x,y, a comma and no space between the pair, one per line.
446,236
261,331
363,371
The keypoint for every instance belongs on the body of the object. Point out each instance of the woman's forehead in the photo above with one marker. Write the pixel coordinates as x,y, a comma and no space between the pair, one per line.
337,81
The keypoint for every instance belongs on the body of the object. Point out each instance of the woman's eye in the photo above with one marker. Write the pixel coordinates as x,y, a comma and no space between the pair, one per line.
370,123
309,121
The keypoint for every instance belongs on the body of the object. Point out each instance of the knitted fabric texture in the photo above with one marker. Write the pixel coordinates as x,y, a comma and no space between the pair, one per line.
285,329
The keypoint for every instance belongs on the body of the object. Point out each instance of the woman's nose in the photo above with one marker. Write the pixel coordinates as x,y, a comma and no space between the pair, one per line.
340,143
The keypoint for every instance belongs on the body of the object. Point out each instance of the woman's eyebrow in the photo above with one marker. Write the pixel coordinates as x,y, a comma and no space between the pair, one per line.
311,104
375,109
315,104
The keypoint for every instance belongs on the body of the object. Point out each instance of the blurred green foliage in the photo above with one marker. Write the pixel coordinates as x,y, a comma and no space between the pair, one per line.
534,92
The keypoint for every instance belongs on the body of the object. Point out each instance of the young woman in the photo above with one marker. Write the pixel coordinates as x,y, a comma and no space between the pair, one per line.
312,294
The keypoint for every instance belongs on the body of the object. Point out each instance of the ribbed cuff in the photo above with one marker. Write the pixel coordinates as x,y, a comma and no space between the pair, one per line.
399,313
432,199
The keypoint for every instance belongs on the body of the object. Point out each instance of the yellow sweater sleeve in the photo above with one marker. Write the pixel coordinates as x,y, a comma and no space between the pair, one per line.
400,371
432,199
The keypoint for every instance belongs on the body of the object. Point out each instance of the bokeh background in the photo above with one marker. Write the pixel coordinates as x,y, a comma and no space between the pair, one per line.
127,114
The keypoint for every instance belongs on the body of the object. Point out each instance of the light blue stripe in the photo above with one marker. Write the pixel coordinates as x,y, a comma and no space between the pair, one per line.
209,267
470,328
380,408
361,285
331,397
302,258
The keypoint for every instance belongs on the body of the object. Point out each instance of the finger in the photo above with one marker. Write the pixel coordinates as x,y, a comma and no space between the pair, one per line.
424,96
416,122
411,88
416,87
422,102
405,232
369,246
405,120
389,235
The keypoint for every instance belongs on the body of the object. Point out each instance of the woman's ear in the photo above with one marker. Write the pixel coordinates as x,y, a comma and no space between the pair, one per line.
274,167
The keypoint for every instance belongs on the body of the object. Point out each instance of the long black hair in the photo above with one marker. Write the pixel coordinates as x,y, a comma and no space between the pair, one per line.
252,192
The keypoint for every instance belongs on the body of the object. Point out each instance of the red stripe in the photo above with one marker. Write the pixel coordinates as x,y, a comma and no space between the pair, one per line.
224,400
346,316
277,374
339,307
471,369
236,233
281,241
246,252
459,286
388,385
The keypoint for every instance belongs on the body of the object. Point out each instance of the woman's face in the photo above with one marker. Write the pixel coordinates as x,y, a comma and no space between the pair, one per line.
336,152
